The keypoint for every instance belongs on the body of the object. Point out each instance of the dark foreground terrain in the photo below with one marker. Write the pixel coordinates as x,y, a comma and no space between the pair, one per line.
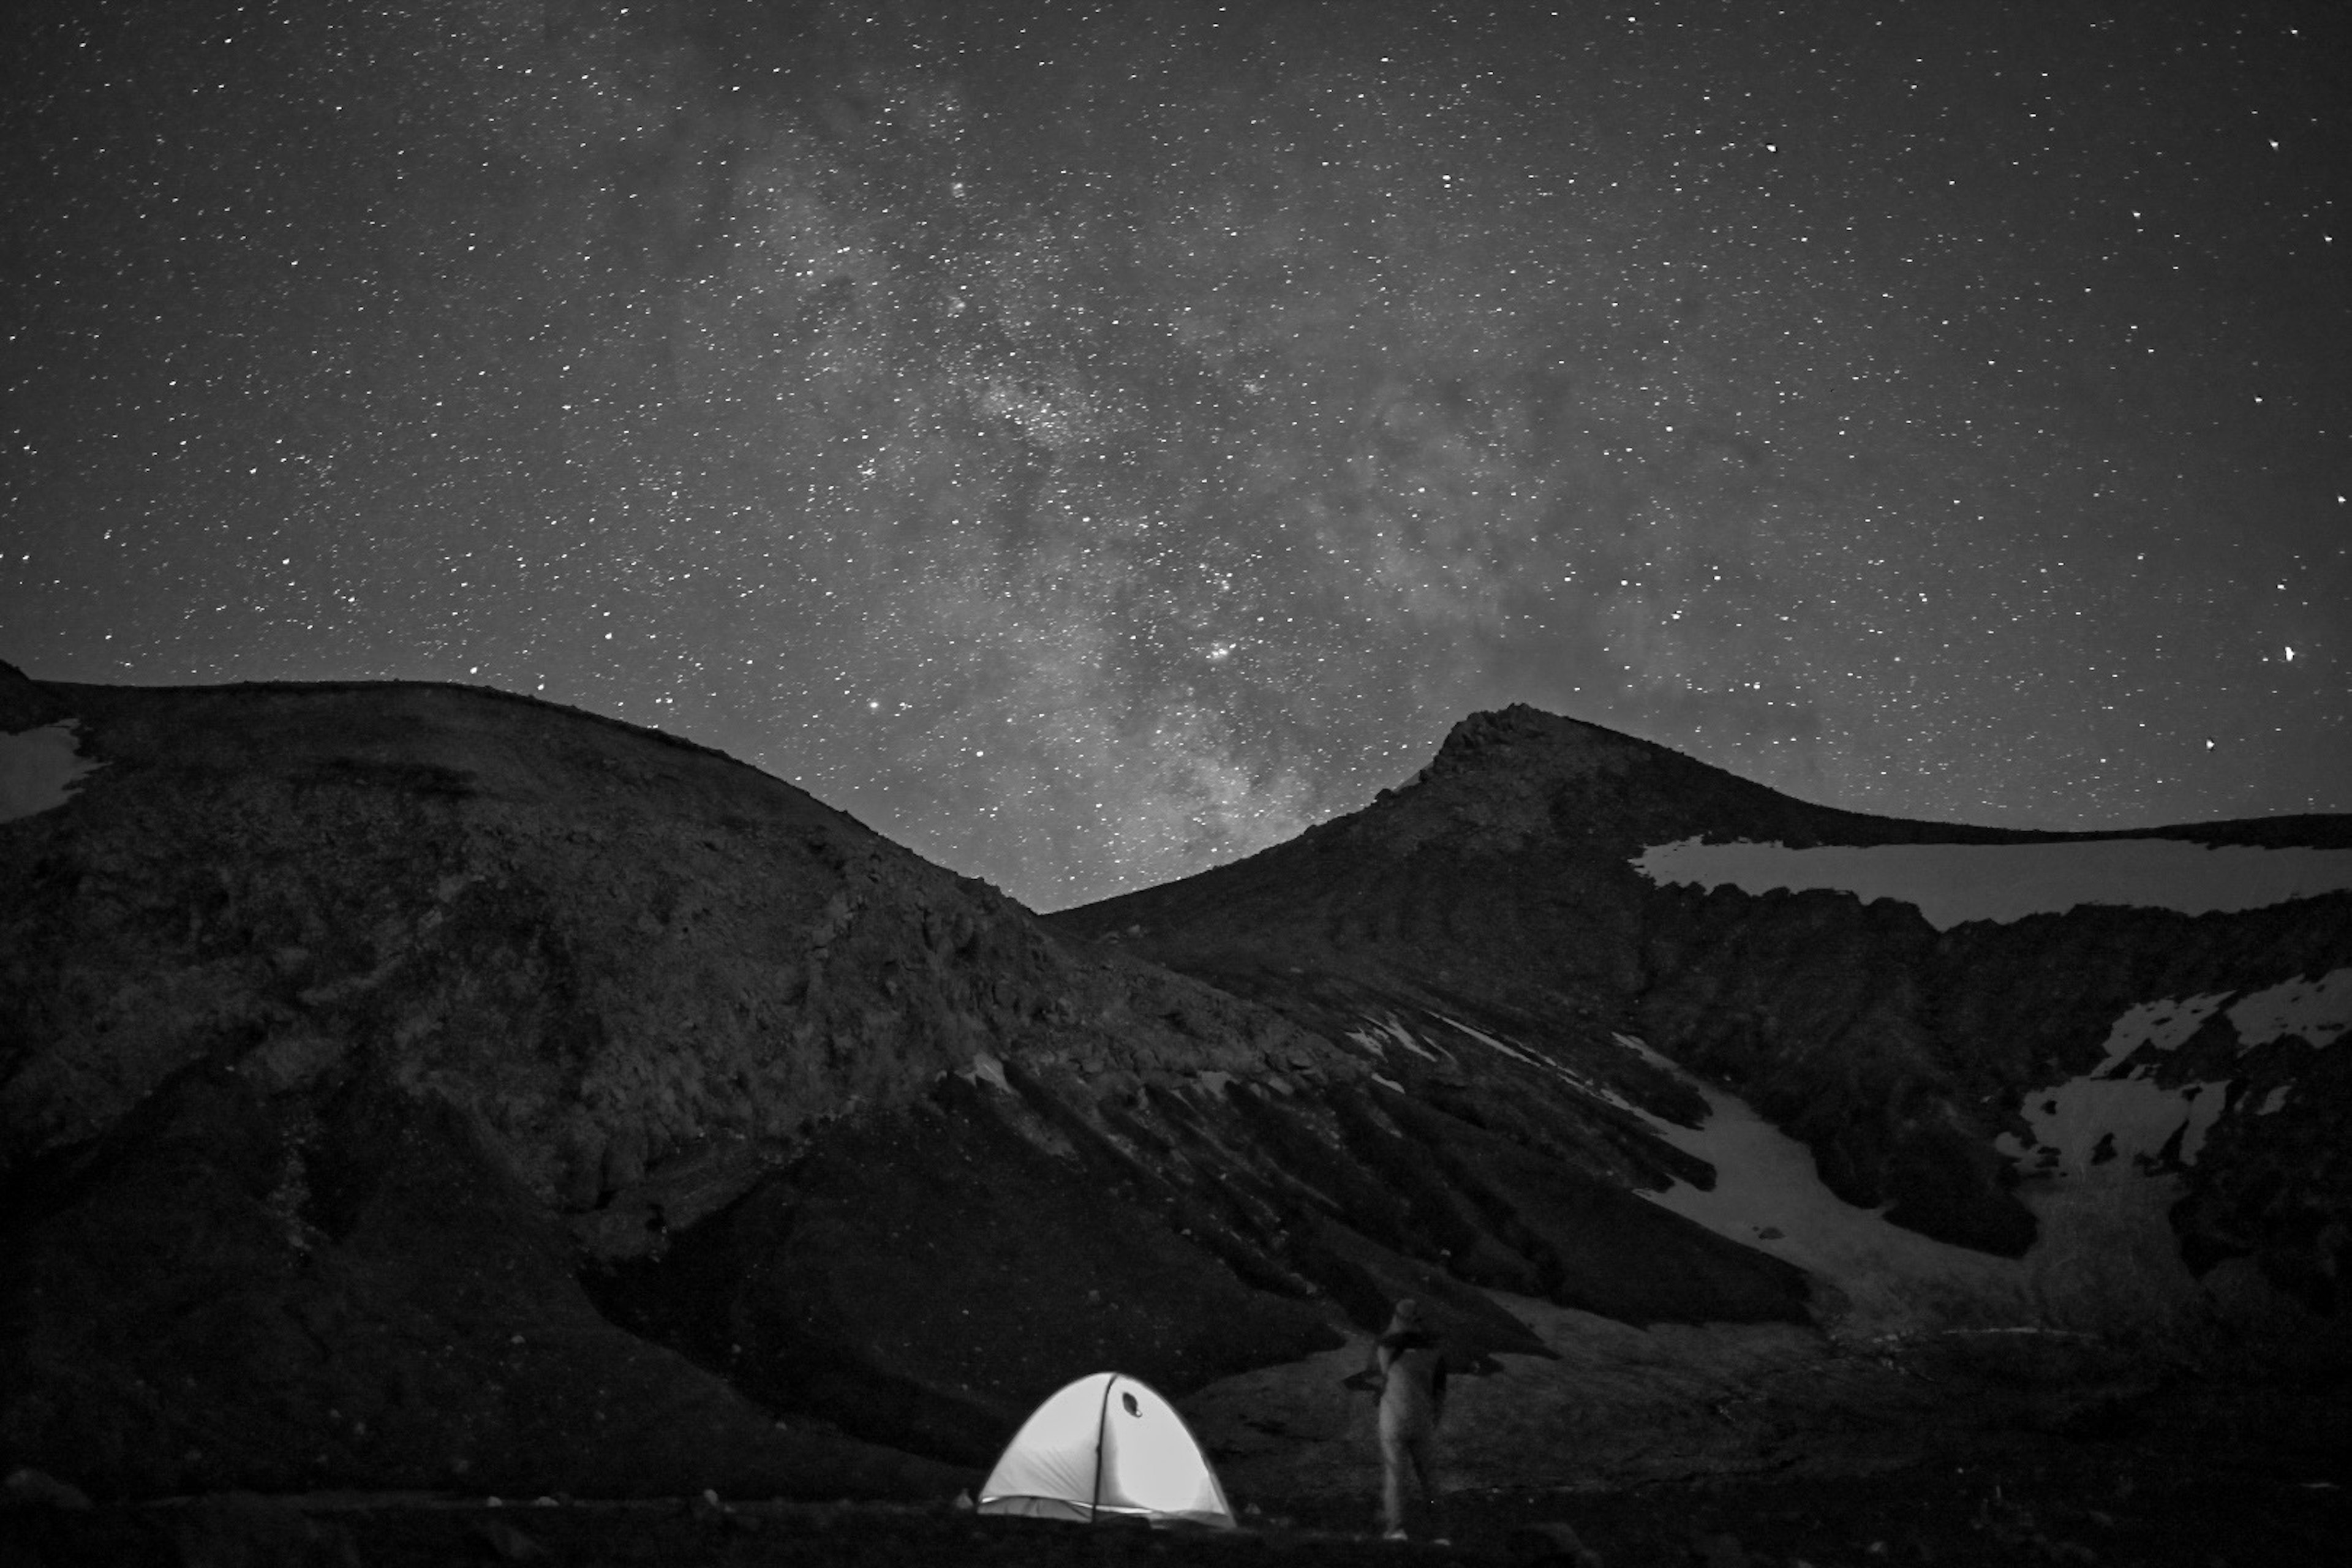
2194,1474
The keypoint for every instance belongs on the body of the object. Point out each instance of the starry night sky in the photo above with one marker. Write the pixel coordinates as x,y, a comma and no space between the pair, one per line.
1088,442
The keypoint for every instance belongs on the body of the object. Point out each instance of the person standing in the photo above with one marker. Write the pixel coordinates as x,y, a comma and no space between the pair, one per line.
1410,1368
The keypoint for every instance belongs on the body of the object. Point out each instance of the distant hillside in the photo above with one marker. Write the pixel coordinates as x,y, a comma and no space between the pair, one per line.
1504,887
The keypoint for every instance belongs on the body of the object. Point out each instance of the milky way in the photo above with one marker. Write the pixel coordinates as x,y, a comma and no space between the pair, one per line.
1090,442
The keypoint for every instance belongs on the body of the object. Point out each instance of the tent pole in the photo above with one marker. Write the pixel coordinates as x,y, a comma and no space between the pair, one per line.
1102,1419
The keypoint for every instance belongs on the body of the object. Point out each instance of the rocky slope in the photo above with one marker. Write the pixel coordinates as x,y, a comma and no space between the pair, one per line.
1503,890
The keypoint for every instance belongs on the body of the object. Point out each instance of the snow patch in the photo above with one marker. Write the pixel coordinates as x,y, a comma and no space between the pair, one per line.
38,767
1768,1195
2167,1026
2122,1121
1566,1075
1379,1032
2090,1122
1641,1047
2318,1010
1952,884
2106,1252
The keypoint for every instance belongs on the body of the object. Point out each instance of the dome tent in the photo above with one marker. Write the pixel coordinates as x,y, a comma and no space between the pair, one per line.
1107,1444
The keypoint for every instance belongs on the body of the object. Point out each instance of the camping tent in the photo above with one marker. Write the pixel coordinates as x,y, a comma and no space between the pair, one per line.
1107,1444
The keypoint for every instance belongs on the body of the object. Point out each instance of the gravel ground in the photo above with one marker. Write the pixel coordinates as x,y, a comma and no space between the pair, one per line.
2198,1477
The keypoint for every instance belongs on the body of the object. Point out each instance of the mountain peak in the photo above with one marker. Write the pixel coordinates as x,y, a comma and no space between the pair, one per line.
1532,738
1493,782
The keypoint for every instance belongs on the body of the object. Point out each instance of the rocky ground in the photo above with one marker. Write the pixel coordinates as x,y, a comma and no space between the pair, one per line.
2197,1473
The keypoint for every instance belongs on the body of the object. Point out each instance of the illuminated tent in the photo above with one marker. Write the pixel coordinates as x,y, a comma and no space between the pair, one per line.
1107,1444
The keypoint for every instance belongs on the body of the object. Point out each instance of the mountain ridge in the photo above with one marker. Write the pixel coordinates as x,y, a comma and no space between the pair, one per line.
1500,883
415,1086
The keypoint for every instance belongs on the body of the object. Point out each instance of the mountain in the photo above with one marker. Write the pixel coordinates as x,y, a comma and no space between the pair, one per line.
422,1087
2019,1032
